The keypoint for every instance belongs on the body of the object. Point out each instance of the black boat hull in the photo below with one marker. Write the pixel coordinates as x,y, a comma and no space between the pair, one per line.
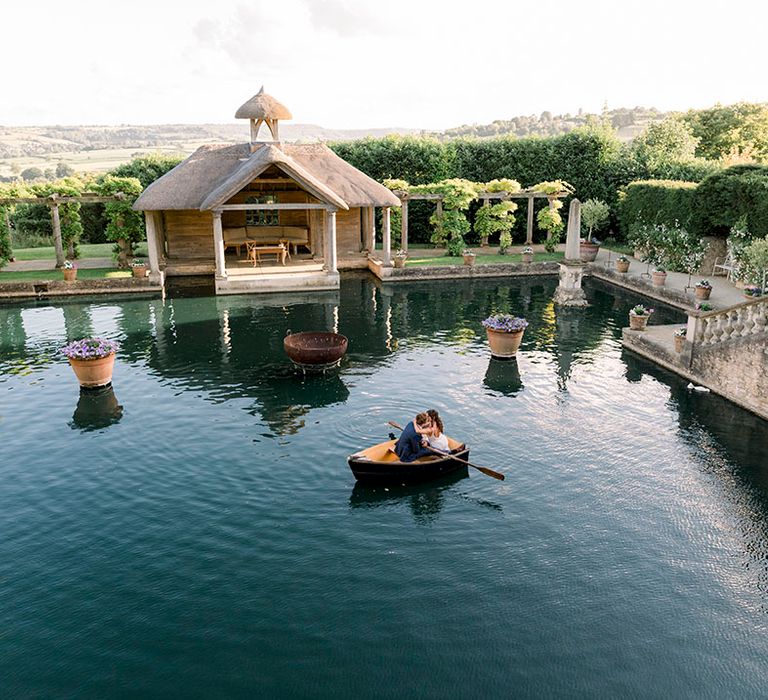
371,472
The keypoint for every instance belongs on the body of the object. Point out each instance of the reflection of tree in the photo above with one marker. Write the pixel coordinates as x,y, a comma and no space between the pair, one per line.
77,320
96,409
13,340
503,376
424,500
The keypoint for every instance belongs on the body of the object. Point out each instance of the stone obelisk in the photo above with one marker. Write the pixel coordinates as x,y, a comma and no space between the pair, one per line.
569,291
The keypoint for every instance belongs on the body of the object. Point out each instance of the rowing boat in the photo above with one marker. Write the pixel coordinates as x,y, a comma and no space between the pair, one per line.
379,464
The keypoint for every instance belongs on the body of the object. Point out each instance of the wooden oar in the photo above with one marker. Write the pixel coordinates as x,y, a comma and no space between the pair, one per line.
485,470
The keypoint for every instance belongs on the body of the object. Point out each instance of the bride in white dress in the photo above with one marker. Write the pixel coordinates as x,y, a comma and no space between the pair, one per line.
437,440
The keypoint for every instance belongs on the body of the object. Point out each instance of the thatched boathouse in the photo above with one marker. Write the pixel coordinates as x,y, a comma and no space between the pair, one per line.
263,216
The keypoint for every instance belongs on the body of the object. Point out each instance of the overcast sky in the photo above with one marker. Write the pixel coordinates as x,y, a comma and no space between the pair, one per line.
364,63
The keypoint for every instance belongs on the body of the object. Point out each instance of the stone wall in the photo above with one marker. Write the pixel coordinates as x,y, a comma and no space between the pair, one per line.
736,368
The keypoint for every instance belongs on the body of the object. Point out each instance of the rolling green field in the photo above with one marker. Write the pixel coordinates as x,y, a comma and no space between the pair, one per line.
483,259
49,275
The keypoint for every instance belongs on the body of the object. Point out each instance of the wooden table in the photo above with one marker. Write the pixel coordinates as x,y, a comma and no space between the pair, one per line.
255,252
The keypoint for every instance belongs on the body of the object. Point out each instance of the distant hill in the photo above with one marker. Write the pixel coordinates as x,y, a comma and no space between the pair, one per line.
99,148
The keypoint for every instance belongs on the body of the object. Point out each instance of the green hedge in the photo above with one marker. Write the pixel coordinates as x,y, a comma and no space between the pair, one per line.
724,197
656,202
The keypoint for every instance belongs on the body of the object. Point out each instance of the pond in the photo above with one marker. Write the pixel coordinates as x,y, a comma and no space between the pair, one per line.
196,532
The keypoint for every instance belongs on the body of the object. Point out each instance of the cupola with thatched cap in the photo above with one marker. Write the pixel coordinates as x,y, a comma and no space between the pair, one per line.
263,109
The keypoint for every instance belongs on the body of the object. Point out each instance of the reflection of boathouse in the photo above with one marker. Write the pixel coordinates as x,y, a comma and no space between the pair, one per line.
230,210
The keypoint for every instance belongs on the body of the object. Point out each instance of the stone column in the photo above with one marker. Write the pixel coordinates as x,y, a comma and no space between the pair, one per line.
404,226
218,246
573,237
386,258
529,229
372,228
569,291
57,235
331,256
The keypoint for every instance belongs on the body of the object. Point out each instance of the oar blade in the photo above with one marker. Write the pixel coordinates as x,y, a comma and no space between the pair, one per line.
489,472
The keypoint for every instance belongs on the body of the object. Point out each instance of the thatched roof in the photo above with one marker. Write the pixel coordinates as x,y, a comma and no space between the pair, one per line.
213,174
263,106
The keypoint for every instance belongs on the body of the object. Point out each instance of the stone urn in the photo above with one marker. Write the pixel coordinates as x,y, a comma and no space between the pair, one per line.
93,373
702,291
139,270
469,259
588,251
622,265
659,278
504,345
70,274
639,320
504,333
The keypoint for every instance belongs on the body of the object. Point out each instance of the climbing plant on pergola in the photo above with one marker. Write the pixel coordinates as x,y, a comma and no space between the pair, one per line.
452,197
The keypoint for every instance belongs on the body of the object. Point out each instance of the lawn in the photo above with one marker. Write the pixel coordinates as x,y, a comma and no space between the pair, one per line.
483,259
87,250
48,275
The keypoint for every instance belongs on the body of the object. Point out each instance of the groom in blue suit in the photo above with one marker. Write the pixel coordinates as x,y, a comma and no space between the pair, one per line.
412,444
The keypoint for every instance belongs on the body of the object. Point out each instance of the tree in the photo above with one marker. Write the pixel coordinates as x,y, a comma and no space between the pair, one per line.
125,224
731,130
32,174
665,141
147,169
64,170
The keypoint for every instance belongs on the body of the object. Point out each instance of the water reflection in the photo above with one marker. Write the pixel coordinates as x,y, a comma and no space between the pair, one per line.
503,376
96,409
425,501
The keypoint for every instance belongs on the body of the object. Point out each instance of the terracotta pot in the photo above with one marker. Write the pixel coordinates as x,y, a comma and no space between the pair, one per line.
622,266
69,275
399,262
659,278
94,373
588,251
140,271
638,323
469,260
702,292
504,345
527,257
679,343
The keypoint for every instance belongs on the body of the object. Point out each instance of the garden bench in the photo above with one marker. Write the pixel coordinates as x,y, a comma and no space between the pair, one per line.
727,266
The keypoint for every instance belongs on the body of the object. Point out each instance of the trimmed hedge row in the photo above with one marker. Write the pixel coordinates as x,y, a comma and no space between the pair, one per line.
667,202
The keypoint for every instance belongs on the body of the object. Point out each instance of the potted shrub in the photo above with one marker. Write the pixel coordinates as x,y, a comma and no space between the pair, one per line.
622,264
638,317
92,360
680,335
469,257
594,214
139,268
505,333
399,260
703,289
69,271
752,291
527,254
659,277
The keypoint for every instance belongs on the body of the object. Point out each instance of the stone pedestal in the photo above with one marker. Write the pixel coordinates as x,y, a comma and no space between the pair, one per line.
569,291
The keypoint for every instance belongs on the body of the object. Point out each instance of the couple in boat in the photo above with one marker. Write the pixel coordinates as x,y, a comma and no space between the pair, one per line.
422,437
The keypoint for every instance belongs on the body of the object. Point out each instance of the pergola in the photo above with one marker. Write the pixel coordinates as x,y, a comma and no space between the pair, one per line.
530,196
54,201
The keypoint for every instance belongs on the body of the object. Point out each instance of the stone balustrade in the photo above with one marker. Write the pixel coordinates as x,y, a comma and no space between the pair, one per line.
739,321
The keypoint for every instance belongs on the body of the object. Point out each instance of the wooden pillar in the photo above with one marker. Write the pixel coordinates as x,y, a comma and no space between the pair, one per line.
372,228
404,226
551,205
529,230
57,235
152,244
218,246
484,239
386,238
330,225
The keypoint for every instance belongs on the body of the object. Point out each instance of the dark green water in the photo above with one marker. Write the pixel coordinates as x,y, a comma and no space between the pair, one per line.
197,533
